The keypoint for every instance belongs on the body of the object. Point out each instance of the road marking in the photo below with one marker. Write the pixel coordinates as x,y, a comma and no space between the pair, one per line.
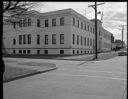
91,71
62,74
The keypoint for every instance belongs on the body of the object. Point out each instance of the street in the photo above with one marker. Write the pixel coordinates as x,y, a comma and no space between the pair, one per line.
105,79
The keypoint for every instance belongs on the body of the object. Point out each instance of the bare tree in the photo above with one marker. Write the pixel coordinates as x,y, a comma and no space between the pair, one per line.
12,9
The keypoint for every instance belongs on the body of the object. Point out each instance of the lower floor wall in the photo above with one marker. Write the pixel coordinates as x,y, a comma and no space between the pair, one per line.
50,51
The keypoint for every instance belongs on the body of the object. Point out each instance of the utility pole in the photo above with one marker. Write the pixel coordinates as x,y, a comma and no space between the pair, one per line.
122,32
95,8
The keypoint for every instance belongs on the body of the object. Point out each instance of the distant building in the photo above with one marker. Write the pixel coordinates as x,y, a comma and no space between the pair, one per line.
118,43
57,32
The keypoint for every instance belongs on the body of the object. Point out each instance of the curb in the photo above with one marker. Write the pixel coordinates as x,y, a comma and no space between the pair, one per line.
27,75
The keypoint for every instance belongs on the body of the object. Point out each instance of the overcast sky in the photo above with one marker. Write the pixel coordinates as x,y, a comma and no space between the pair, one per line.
114,13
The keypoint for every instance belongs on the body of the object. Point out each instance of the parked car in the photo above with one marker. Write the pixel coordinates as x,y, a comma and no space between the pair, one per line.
122,53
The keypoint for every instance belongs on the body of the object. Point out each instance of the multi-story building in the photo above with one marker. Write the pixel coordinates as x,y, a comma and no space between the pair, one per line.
58,32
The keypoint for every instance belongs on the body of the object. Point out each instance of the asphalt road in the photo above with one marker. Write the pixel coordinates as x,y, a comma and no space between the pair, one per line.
104,79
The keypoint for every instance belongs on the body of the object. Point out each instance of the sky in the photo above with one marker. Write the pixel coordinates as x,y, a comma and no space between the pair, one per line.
114,13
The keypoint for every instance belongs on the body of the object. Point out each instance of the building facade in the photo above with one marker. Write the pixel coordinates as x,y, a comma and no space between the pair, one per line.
58,32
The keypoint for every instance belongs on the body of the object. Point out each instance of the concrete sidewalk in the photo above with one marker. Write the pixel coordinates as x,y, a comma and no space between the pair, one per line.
34,65
101,56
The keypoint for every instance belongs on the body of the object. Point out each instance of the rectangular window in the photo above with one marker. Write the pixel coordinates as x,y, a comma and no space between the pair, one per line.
91,29
77,39
46,39
20,23
61,38
46,23
84,41
29,22
73,21
38,51
45,51
20,39
53,38
93,43
38,39
20,51
81,40
38,23
29,38
24,51
28,51
88,28
81,25
88,42
14,51
62,21
73,51
24,22
61,51
14,41
24,39
14,24
78,23
53,22
73,39
84,26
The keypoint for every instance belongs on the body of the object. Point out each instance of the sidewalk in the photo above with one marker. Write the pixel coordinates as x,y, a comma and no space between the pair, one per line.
101,56
27,68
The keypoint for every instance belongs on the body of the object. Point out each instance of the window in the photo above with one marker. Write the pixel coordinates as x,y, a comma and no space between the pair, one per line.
14,41
93,43
84,41
29,22
73,39
77,51
20,51
45,51
53,38
38,39
81,52
61,38
81,25
24,22
29,38
73,51
88,28
62,21
29,51
46,23
53,22
81,40
24,51
84,52
46,39
73,21
38,23
24,39
38,51
78,23
20,23
77,39
88,41
20,39
84,26
14,51
91,29
14,24
61,51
